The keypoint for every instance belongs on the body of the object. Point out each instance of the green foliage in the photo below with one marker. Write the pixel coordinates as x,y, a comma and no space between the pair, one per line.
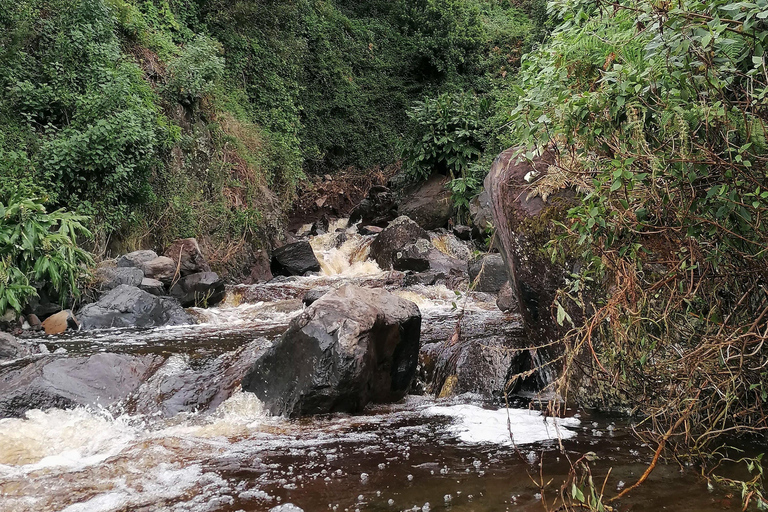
39,247
194,72
661,109
450,134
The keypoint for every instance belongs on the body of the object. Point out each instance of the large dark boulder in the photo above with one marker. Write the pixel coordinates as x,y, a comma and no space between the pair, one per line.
186,255
351,347
489,273
401,232
377,209
98,381
429,204
128,306
203,289
136,259
294,259
422,256
523,226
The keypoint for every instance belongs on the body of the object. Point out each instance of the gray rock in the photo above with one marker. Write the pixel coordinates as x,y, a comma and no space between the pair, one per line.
377,209
414,256
128,306
429,204
186,255
136,259
401,232
462,232
111,277
481,213
9,347
203,289
507,300
351,347
34,322
313,295
152,286
294,259
161,268
98,380
492,273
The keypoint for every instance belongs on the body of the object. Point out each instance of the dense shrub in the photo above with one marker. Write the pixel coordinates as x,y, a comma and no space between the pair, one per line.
39,249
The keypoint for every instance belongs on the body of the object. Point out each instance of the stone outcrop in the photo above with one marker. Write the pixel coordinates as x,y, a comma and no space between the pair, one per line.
128,306
428,204
187,257
523,226
351,347
294,259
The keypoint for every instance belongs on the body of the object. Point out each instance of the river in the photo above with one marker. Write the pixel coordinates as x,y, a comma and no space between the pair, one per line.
189,440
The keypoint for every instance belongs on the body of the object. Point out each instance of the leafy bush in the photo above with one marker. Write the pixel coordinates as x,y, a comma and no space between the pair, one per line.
194,73
449,134
39,248
661,112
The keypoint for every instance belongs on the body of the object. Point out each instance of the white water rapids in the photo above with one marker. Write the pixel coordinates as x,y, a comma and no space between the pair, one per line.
236,457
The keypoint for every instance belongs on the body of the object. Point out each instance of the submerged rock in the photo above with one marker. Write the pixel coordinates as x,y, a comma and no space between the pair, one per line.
128,306
98,380
186,255
351,347
294,259
429,204
204,289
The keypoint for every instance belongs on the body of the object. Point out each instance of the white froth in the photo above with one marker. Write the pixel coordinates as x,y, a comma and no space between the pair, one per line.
475,425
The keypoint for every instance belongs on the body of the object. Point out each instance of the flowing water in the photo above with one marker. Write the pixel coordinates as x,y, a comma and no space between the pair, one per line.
189,440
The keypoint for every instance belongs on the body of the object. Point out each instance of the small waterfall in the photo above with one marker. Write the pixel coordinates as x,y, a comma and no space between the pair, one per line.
344,252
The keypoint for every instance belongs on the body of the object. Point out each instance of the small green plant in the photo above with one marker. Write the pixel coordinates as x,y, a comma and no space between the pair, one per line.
40,248
194,73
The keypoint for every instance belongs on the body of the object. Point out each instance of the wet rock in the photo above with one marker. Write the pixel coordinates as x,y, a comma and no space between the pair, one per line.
203,289
136,259
428,278
152,286
97,381
428,204
377,209
313,295
489,273
370,230
507,300
42,306
60,322
401,232
260,268
34,322
462,232
320,226
481,213
161,268
413,256
294,259
186,255
128,306
9,347
108,277
523,226
351,347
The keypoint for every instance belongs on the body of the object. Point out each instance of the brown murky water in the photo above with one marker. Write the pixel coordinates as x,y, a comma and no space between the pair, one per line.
153,451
